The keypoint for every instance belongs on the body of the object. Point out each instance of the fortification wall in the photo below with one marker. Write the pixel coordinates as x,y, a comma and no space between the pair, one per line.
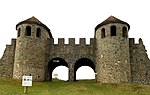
75,51
71,52
7,60
140,63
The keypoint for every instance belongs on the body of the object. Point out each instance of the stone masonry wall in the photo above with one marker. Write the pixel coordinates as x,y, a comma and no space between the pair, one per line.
7,60
71,52
30,53
112,56
140,63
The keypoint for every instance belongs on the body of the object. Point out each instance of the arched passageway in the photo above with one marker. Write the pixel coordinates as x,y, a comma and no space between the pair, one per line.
61,73
83,62
82,75
55,62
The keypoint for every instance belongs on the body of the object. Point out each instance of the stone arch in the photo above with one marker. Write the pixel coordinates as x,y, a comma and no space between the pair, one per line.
83,62
53,63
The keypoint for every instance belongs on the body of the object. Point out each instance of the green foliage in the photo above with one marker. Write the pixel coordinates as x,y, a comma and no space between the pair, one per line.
84,87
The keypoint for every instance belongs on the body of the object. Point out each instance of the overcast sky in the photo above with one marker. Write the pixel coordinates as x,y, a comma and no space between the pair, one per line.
74,18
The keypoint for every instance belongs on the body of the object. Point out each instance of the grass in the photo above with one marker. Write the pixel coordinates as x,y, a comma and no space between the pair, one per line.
86,87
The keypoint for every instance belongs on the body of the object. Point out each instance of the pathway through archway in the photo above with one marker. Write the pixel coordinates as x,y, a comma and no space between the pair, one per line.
83,62
54,63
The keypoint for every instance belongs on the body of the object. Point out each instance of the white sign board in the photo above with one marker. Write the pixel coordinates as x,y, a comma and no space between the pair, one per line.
26,80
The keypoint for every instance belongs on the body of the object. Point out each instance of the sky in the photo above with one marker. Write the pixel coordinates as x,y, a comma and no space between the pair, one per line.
74,18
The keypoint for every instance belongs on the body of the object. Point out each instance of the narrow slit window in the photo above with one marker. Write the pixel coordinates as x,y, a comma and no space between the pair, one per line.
19,32
124,32
113,30
28,31
38,33
103,33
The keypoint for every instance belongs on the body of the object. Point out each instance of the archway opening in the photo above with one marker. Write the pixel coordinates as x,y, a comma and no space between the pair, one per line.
82,75
60,73
59,64
83,63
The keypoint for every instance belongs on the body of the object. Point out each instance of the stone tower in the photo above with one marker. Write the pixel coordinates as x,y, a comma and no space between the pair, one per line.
30,52
112,51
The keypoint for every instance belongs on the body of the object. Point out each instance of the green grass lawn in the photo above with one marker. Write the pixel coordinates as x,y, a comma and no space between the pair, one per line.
84,87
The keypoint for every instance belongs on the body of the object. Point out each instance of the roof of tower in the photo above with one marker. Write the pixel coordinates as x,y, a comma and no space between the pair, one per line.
34,20
111,19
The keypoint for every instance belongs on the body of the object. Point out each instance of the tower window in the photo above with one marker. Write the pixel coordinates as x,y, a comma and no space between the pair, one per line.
19,32
28,31
113,30
124,30
103,33
38,32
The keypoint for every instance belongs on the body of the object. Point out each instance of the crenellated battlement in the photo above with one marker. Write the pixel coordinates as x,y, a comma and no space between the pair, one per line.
139,62
61,41
132,42
71,41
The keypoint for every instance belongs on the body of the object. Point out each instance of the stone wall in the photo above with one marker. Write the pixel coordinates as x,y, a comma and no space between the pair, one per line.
7,60
140,63
71,52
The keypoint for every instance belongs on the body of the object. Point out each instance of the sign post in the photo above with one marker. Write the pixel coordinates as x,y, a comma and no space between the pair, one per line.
26,81
96,77
25,89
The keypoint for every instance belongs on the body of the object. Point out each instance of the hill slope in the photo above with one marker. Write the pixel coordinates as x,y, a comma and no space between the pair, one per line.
86,87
